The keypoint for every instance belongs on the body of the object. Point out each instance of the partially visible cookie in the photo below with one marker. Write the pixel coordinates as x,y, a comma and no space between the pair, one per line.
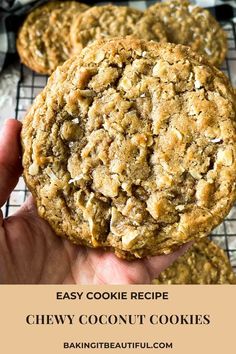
149,28
43,40
132,147
111,21
192,25
203,263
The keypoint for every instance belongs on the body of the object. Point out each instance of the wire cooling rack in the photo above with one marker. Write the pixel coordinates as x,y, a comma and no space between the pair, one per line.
30,84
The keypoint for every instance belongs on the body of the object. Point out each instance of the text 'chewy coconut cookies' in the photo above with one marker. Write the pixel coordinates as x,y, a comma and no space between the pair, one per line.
132,146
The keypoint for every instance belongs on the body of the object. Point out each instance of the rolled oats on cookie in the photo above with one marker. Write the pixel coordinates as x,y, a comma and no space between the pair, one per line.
131,146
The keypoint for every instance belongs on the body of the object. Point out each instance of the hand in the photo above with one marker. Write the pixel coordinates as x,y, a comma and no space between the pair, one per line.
31,253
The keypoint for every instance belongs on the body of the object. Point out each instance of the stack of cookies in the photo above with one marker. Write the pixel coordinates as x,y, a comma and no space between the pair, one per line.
54,32
131,146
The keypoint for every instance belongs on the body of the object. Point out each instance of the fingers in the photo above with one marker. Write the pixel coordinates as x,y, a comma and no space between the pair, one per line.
94,266
10,158
157,264
28,206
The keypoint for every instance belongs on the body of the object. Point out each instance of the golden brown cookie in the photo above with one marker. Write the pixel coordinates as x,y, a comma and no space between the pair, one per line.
43,40
111,21
203,263
132,146
194,26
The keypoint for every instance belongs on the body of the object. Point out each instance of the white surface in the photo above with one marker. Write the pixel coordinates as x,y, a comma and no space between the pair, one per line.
8,86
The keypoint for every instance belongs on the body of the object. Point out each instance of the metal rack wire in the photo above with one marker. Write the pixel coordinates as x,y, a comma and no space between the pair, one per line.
30,84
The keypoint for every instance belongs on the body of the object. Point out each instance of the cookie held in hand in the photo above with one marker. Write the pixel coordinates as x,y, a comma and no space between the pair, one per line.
132,146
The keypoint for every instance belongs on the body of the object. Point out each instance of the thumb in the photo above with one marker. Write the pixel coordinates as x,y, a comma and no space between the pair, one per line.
10,158
157,264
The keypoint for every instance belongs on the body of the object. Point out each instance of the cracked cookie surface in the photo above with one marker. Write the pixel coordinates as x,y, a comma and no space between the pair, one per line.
192,25
43,41
132,146
111,21
203,263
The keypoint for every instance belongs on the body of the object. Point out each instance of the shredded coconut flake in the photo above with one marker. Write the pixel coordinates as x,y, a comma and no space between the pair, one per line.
216,140
77,178
76,120
38,53
51,174
191,8
180,207
197,84
208,51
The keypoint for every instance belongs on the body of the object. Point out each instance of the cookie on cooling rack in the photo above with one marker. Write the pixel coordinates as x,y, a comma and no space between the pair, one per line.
43,40
192,25
132,146
111,21
203,263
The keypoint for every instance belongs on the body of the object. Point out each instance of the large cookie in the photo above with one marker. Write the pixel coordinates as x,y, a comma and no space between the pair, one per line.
111,21
43,40
192,25
132,145
203,263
